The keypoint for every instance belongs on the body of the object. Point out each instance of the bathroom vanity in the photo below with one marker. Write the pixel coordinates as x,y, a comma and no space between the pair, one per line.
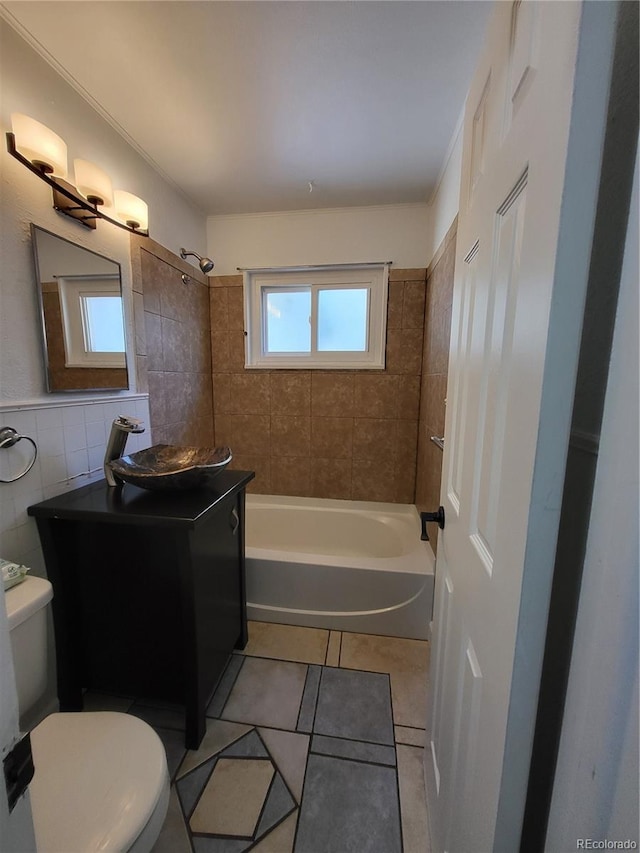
149,590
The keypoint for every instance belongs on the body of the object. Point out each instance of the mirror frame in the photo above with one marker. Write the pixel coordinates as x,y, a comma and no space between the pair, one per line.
35,229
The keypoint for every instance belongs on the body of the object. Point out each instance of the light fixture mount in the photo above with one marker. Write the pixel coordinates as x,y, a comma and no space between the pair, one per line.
67,199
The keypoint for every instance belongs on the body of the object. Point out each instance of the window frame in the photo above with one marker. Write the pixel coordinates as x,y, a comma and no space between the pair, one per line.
73,290
373,277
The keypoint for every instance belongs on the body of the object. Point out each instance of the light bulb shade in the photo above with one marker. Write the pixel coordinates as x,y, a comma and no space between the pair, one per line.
131,209
39,145
93,183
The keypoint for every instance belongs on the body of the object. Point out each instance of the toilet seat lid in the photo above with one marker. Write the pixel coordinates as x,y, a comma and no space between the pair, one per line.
98,778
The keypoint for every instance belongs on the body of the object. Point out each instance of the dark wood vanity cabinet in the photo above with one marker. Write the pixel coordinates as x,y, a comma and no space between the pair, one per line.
149,590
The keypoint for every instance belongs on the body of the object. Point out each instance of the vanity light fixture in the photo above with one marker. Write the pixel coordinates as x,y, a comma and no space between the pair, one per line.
44,153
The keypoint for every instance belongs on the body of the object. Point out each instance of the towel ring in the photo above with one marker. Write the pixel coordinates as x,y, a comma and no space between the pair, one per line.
8,437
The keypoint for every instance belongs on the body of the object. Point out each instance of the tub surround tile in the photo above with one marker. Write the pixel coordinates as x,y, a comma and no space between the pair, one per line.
291,393
413,803
374,438
348,805
394,304
245,434
413,305
267,693
332,437
290,475
218,307
376,395
331,393
374,480
287,642
355,705
260,465
290,436
235,302
249,394
331,478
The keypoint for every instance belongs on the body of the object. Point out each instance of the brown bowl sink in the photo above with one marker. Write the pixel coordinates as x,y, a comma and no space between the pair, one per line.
164,466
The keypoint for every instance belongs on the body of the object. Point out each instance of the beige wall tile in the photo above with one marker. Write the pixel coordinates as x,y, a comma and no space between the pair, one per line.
376,395
408,397
222,393
331,478
331,394
331,437
394,304
374,438
290,475
290,436
219,309
250,393
244,434
404,351
413,274
236,351
373,480
220,361
153,336
291,392
413,305
260,465
236,307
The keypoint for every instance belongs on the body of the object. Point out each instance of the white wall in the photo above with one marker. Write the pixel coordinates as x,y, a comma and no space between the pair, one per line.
596,785
397,233
445,201
31,86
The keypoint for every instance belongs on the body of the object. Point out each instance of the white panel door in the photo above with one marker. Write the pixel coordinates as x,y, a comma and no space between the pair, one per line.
515,142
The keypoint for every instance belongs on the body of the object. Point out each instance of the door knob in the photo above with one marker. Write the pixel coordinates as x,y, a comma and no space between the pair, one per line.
438,517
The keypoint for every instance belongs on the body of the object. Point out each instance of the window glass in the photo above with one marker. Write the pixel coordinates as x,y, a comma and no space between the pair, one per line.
104,330
287,321
342,320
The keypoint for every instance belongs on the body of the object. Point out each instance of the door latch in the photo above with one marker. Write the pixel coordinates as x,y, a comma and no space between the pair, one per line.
438,517
18,769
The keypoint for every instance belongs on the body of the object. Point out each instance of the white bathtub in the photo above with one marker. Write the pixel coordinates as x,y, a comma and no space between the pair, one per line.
344,565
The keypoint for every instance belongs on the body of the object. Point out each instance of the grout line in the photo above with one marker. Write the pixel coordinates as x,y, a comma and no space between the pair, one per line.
393,767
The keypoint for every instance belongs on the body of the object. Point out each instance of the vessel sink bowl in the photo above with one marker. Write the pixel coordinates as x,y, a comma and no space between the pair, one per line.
164,466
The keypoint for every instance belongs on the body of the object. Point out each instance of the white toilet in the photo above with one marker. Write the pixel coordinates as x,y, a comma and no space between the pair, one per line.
101,779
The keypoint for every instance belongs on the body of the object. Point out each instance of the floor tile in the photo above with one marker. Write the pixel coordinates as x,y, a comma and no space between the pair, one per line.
410,736
354,705
267,693
309,699
279,804
280,839
190,786
373,753
232,800
225,685
348,806
249,746
174,837
287,642
413,804
218,735
173,742
289,752
333,649
406,661
203,844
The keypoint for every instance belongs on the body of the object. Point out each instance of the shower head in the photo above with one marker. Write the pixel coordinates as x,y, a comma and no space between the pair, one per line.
206,264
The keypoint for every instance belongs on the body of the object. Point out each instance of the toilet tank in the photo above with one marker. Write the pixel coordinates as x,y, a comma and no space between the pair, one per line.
27,611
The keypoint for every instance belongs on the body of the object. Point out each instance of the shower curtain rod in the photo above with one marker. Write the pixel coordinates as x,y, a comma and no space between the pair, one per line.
315,267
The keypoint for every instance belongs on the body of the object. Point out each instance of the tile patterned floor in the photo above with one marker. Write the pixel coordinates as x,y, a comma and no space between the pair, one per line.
314,744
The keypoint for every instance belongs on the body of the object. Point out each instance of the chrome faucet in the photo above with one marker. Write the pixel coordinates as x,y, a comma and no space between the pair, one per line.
120,429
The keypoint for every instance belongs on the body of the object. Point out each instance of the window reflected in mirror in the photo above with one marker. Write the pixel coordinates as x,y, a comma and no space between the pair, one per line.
82,313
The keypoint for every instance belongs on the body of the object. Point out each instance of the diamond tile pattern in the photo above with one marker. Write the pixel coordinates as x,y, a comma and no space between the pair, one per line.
300,756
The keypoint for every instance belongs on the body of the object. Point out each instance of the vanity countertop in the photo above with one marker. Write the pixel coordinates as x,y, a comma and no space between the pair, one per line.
129,504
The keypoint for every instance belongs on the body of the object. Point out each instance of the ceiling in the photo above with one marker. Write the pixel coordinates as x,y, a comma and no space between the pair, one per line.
242,104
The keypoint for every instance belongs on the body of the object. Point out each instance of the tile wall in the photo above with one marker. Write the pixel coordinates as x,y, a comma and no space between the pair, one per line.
173,344
435,361
322,433
71,440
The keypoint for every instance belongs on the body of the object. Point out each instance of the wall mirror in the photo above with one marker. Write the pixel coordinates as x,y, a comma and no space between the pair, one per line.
82,313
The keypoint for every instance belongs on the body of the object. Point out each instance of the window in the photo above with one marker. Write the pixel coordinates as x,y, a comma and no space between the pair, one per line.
316,317
92,321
